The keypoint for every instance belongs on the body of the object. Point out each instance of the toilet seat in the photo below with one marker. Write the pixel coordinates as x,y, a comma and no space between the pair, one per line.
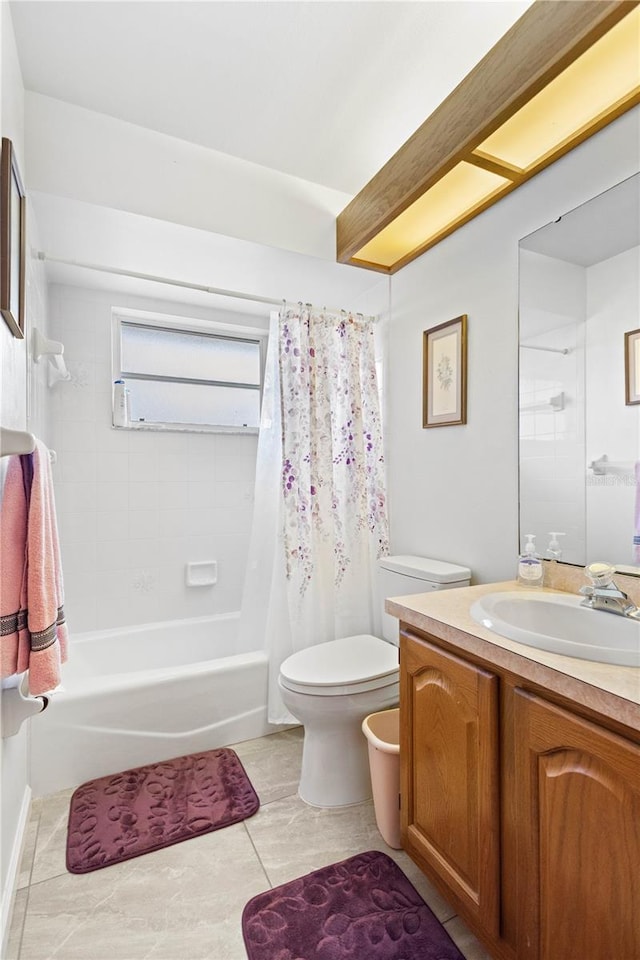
341,667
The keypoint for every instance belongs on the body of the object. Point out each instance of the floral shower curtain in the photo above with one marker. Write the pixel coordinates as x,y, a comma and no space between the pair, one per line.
320,520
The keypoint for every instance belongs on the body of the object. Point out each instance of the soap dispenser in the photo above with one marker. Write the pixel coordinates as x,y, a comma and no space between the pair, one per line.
530,564
554,550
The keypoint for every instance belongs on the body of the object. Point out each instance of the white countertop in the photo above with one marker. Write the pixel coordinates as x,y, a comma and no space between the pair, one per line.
611,690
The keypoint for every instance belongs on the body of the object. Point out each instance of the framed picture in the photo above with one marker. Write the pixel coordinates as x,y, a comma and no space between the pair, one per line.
632,366
444,392
12,240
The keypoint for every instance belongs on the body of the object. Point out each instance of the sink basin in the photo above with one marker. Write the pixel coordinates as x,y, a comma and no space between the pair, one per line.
559,624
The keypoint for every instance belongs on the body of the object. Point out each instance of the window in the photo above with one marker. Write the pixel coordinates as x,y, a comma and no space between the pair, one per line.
189,375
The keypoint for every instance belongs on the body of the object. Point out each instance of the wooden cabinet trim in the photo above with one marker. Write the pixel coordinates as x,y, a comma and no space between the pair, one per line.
515,680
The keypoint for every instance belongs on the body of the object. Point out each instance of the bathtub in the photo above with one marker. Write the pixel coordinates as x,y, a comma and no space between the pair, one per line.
134,695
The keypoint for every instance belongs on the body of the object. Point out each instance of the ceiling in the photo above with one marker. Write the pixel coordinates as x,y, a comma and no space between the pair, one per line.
325,91
599,229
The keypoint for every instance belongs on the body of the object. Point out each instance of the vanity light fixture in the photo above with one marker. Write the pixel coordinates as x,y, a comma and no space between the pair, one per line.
561,73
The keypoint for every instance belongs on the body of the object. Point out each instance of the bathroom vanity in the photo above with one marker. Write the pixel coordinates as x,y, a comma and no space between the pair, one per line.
520,783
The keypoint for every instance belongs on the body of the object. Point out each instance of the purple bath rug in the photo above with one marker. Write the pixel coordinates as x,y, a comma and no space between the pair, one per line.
363,908
134,812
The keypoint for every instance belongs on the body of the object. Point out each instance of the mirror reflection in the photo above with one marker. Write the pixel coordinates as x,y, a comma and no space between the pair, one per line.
579,427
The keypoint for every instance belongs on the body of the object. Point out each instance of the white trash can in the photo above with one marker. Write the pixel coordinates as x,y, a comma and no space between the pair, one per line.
382,731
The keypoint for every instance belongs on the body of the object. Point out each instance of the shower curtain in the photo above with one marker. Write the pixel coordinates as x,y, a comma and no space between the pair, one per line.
320,519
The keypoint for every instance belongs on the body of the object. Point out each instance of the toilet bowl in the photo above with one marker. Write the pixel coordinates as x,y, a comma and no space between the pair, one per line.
331,687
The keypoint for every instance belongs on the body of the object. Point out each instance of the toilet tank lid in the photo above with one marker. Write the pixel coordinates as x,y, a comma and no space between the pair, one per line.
422,568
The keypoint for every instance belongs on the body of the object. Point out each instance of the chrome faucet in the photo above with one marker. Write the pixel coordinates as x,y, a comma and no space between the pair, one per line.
603,594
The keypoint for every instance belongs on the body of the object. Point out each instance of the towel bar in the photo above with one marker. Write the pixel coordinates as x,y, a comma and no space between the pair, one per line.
18,706
16,442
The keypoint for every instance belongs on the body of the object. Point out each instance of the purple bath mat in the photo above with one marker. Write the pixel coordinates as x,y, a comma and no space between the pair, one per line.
363,908
127,814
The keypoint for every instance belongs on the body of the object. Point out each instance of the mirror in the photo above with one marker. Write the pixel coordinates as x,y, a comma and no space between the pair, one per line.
579,294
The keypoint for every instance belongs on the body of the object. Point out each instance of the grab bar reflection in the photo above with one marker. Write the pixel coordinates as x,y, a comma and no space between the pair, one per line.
553,405
603,467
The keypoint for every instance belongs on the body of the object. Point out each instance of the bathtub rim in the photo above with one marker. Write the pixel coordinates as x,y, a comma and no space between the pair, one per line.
84,687
137,628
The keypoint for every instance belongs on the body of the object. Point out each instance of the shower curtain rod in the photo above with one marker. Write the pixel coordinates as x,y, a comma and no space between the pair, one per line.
203,288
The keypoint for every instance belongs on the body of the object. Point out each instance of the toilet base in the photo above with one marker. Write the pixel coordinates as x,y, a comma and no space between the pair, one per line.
323,781
335,757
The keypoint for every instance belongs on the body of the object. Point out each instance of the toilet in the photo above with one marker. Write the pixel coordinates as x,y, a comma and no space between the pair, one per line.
331,687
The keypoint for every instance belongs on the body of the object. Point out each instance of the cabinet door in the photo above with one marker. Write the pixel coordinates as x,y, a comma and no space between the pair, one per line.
578,789
449,762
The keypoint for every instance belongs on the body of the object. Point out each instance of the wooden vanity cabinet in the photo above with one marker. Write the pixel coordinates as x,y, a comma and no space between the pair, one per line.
578,793
525,815
450,813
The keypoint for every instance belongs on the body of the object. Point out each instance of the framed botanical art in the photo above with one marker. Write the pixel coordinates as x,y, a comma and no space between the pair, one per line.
12,240
632,366
444,392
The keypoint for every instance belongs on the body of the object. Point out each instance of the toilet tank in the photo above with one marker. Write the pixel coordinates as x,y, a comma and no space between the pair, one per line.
401,576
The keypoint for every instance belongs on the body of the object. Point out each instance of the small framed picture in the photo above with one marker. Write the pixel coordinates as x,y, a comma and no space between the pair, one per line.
12,240
632,366
444,392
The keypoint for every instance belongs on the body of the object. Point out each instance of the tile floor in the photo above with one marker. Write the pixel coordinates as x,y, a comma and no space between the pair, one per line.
185,902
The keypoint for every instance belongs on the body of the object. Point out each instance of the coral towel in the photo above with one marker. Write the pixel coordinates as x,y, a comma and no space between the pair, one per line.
34,632
14,644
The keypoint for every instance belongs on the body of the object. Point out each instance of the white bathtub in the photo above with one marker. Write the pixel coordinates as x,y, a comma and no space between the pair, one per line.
138,694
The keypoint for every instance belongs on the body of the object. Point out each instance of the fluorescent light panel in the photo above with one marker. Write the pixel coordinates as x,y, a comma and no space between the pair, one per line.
603,78
605,74
463,188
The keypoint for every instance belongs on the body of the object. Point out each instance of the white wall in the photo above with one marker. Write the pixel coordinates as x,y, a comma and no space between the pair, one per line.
84,155
74,230
613,308
21,407
552,443
454,490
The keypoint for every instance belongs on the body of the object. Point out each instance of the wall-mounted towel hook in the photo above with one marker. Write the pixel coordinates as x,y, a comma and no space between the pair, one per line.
53,350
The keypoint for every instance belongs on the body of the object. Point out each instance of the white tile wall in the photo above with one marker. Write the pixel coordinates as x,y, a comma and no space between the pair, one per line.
552,444
134,507
613,308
